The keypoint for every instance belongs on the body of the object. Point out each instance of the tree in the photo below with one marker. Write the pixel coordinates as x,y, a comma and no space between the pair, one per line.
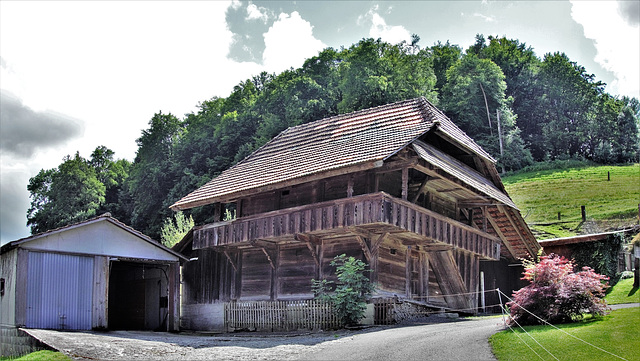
69,194
112,174
473,95
557,294
520,67
567,106
443,56
353,287
376,73
174,229
151,178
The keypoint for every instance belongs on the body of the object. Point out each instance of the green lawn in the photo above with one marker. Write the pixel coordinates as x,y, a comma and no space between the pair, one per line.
40,356
540,195
623,292
616,333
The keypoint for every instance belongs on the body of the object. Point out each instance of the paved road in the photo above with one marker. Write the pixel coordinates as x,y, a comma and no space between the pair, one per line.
462,340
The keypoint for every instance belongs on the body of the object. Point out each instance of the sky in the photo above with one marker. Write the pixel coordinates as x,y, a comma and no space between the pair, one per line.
77,75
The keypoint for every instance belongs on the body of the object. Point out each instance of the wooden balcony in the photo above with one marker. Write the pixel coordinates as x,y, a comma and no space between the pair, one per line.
364,215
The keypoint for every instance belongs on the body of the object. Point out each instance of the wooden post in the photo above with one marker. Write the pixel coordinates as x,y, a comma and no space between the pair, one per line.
636,266
584,213
608,176
350,187
558,215
174,297
239,208
482,302
217,212
407,283
484,218
405,183
636,272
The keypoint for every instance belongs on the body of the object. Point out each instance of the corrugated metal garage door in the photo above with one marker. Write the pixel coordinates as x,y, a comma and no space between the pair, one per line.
59,290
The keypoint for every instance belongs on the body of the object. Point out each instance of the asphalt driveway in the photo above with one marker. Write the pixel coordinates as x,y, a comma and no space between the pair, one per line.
433,340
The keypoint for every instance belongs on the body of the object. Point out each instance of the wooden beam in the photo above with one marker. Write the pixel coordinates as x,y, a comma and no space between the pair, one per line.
448,190
365,248
376,244
309,240
263,245
173,297
398,165
233,264
450,280
515,227
226,198
264,250
421,190
407,272
503,238
314,255
484,218
405,183
217,212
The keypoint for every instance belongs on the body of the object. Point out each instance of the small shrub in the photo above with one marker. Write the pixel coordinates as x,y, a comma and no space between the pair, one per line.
626,274
557,294
352,289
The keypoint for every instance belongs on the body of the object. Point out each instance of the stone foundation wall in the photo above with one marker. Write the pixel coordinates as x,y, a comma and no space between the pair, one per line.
15,342
202,317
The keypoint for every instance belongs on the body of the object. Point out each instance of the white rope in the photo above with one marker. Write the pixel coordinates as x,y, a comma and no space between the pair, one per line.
520,337
457,294
533,338
565,332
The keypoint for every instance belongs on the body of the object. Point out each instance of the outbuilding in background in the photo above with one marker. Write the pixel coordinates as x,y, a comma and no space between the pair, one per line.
97,274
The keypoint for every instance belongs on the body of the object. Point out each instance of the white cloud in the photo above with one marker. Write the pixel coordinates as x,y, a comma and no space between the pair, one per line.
257,13
110,66
486,18
617,43
380,29
235,4
288,42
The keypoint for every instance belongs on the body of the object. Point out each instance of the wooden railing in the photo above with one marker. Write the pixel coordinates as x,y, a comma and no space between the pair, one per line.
345,213
280,315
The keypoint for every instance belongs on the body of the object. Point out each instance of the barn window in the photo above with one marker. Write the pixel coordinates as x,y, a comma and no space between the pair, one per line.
392,251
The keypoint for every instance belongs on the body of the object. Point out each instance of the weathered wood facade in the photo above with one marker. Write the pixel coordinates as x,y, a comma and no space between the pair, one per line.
398,186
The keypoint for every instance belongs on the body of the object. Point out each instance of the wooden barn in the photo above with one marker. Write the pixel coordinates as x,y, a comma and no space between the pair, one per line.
96,274
399,186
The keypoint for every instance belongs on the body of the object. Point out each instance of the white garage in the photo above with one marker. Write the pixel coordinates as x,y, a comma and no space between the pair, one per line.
97,274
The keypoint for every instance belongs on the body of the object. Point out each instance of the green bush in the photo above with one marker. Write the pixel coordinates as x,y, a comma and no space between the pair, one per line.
352,289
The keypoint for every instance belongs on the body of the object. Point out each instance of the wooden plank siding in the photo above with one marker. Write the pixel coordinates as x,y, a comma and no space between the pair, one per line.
375,213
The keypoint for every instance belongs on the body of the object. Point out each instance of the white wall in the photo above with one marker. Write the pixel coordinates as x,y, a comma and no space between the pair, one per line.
8,265
99,238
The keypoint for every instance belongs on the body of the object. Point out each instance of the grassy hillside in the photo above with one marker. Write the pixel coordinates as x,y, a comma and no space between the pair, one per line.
541,195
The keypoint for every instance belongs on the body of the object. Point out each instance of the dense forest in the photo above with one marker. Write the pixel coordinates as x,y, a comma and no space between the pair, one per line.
547,109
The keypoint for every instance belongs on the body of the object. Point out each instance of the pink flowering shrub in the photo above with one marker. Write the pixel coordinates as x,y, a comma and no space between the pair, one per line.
557,294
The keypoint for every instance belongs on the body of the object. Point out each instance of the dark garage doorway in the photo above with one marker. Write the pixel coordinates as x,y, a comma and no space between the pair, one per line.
138,296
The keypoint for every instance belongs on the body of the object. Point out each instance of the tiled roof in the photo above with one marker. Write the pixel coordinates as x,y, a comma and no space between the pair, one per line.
357,138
